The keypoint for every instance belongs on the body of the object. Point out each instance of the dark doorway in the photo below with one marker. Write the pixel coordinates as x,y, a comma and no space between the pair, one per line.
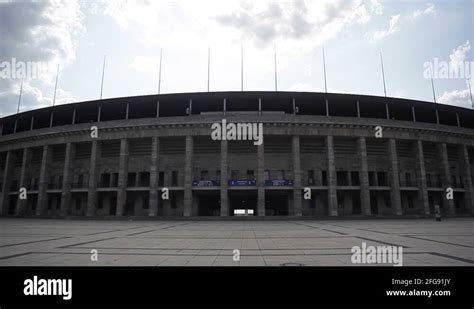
374,209
436,198
32,201
130,206
459,203
241,201
113,206
356,209
276,204
12,205
209,205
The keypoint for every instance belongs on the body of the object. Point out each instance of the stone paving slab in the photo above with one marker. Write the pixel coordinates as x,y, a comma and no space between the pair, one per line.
49,242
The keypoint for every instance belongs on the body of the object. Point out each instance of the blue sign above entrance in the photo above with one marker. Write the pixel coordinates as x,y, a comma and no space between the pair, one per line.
278,182
234,182
205,183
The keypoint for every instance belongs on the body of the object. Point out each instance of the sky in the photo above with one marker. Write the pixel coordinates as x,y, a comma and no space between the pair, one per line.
40,38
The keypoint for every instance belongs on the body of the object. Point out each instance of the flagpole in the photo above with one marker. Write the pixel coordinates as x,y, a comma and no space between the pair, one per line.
159,71
102,83
56,85
433,87
383,76
324,67
19,98
470,91
276,79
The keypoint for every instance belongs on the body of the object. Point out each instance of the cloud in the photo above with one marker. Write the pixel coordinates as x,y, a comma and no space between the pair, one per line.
456,97
32,97
393,27
262,22
268,21
430,10
41,32
145,64
376,7
458,55
304,87
459,97
188,27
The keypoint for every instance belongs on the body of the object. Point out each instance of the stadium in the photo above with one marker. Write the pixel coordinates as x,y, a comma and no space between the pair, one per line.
323,154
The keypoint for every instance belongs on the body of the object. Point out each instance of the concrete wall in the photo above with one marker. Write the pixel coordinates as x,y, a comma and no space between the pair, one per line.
395,154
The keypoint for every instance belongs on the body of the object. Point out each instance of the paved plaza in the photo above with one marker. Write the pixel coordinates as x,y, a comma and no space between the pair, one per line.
52,242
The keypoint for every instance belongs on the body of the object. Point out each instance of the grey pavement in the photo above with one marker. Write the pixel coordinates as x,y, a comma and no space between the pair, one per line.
54,242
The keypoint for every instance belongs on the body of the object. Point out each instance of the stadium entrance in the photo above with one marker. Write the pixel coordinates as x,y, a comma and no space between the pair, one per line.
276,203
243,200
209,204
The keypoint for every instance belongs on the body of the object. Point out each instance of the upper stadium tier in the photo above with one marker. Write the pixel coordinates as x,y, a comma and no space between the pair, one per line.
319,107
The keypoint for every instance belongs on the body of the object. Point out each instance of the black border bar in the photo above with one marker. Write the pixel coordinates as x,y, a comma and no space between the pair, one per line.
237,285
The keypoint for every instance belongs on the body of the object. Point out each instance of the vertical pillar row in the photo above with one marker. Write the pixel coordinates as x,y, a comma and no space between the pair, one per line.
67,179
224,182
364,177
297,206
122,177
21,204
6,182
395,183
155,152
469,195
423,187
332,193
443,149
188,171
261,180
93,177
42,195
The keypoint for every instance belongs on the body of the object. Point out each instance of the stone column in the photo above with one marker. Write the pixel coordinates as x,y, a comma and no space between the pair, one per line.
224,182
42,195
122,177
21,204
395,183
446,176
332,192
93,177
469,195
67,179
423,187
261,180
297,206
364,177
188,176
155,152
6,183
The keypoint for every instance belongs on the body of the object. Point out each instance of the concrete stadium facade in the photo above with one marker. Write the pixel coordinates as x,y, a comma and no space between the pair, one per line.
325,142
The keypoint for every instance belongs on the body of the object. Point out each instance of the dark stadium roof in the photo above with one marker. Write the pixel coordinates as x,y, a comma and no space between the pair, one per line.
308,103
